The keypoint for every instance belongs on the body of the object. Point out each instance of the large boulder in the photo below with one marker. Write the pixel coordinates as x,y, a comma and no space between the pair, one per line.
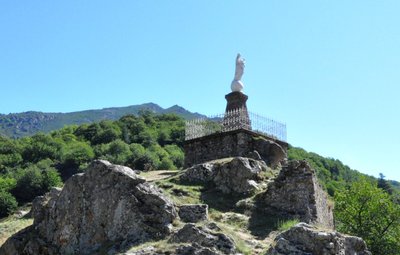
108,204
193,213
296,193
303,239
203,239
237,175
270,151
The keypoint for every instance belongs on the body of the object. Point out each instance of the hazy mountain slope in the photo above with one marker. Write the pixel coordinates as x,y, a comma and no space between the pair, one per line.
28,123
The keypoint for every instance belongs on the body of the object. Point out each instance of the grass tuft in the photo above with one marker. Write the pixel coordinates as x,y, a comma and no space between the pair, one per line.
286,224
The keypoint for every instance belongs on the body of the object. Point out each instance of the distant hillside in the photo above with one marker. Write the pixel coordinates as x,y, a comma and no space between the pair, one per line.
332,173
17,125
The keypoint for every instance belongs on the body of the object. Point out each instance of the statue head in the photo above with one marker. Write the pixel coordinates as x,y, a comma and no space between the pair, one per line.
240,60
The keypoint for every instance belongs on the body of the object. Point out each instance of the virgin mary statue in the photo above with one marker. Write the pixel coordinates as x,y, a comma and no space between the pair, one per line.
237,85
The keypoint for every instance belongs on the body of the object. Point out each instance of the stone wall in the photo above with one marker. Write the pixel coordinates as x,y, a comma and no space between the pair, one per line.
237,143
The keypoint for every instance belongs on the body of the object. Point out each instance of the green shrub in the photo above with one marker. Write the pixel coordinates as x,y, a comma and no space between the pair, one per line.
148,161
175,154
9,153
76,153
39,147
166,164
117,152
33,181
8,204
7,183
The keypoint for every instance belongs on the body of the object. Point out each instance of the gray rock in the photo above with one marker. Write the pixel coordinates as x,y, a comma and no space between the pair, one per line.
303,239
270,151
254,155
239,175
40,203
193,213
296,193
204,238
200,173
195,249
107,204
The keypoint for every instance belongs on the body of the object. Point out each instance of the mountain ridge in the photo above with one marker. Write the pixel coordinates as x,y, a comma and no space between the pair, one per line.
16,125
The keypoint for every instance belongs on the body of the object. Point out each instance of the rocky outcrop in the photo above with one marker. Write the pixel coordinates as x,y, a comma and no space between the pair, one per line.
193,213
205,240
303,239
110,209
108,204
239,175
270,151
296,193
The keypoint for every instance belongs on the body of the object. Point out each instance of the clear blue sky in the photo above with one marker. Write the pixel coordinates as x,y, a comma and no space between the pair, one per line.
329,69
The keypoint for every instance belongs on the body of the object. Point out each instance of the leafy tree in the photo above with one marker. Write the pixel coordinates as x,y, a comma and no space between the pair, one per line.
39,147
164,137
147,138
65,134
34,181
147,116
158,151
109,131
9,154
88,132
166,164
76,153
8,204
365,210
178,134
384,185
7,184
148,161
136,126
175,154
116,152
137,150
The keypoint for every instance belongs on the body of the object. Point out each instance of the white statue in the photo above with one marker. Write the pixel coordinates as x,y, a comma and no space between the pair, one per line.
237,85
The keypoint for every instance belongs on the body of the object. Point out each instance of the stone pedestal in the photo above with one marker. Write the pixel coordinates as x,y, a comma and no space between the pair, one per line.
236,114
236,100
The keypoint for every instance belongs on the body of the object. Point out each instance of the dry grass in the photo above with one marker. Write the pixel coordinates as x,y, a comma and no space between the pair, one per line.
12,225
161,246
158,175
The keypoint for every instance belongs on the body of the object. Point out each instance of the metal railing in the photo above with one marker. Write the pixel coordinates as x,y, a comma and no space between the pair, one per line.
234,120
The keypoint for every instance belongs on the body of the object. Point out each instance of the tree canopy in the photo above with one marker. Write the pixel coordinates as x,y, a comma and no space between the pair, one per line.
369,212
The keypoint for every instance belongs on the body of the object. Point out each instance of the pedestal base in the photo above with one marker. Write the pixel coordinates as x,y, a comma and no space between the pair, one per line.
235,100
236,115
